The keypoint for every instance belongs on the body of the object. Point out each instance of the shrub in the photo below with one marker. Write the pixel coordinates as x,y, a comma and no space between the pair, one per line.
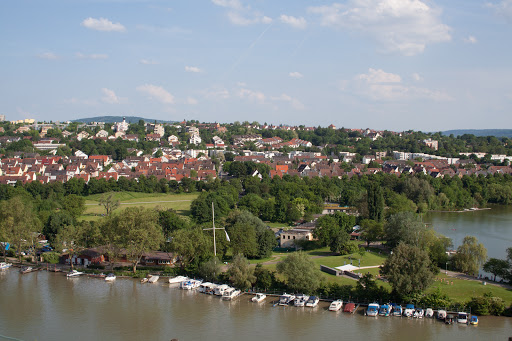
487,305
51,257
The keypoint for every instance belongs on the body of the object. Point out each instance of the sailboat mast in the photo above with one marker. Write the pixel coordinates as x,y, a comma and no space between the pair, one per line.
214,244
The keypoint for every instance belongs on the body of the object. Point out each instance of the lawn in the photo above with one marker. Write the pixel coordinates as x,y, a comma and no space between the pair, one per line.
179,202
369,259
462,290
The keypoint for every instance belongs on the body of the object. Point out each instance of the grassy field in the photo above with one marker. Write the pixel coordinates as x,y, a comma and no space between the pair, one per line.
179,202
462,290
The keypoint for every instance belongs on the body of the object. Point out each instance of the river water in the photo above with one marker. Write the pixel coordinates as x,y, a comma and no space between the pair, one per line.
49,306
493,227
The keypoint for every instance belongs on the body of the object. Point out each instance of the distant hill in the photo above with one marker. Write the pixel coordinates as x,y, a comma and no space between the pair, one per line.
113,119
481,132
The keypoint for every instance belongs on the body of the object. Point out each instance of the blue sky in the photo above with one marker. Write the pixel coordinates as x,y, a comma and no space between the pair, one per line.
383,64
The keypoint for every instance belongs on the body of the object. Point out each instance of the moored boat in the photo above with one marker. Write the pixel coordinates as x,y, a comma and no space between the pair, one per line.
384,310
144,280
203,287
285,299
259,298
178,279
441,314
418,313
397,309
429,313
153,278
191,284
26,269
219,290
4,265
409,310
349,307
462,317
449,319
474,320
373,309
230,293
312,301
300,300
74,273
110,277
336,305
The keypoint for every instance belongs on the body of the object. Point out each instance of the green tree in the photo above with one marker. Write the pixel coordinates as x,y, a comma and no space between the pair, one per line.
211,269
19,223
470,256
74,205
300,272
191,247
264,277
140,233
109,202
371,230
69,239
403,226
240,272
498,267
375,200
408,270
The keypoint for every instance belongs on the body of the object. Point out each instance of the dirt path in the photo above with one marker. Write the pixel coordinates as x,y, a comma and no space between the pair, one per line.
143,202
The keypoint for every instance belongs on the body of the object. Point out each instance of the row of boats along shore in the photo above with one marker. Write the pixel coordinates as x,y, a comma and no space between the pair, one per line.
227,292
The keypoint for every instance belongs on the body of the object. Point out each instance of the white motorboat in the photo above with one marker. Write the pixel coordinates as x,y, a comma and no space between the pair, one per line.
409,310
191,284
336,305
4,265
259,298
429,312
285,299
110,277
144,280
74,273
204,287
312,301
462,317
219,291
178,279
418,313
153,278
230,293
441,314
300,300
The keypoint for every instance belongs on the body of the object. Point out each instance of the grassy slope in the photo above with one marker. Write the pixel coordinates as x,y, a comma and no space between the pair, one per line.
179,202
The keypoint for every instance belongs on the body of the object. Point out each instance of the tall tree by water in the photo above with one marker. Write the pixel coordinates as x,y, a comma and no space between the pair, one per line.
470,256
408,270
301,273
240,273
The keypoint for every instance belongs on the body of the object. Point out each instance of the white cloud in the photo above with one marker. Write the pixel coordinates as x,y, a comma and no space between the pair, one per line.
405,26
156,92
192,69
110,96
295,103
378,85
502,8
470,40
295,74
148,62
191,101
103,24
241,15
217,93
293,21
378,76
251,95
48,55
91,56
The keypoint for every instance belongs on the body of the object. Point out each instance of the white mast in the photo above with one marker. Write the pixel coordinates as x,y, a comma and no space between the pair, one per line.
215,228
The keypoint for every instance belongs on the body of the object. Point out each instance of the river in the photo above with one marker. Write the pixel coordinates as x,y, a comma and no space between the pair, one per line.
49,306
493,227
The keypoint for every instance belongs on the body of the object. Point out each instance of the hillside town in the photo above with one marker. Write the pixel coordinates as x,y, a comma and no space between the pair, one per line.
192,156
